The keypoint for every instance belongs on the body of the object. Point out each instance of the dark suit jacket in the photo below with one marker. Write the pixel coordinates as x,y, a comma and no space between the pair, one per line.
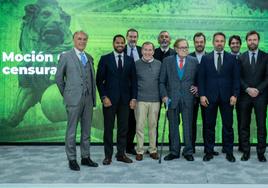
257,79
69,77
216,85
138,49
159,55
198,66
170,84
119,88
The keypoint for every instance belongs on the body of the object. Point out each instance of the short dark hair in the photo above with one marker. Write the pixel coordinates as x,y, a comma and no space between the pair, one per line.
252,33
199,34
80,31
219,33
163,31
132,30
236,37
119,36
148,43
178,41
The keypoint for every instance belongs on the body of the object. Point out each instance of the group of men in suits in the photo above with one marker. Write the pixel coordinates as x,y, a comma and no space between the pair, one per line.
215,80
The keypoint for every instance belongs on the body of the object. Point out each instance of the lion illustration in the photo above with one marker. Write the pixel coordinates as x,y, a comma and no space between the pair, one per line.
45,29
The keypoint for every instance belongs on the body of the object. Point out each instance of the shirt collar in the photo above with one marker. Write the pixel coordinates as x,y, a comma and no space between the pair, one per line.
216,52
116,54
78,51
164,49
150,61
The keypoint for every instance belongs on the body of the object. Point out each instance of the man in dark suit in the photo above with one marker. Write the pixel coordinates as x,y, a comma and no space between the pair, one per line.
199,44
177,77
133,51
218,81
164,50
160,53
235,45
75,80
254,82
117,86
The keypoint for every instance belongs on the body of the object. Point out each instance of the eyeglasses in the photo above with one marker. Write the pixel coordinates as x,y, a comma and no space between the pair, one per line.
183,48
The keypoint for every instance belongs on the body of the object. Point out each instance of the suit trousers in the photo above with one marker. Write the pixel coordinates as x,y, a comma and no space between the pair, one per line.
195,115
144,111
259,106
131,130
121,111
83,113
211,112
185,109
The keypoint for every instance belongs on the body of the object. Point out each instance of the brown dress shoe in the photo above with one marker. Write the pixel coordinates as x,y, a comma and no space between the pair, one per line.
124,158
107,161
139,157
154,156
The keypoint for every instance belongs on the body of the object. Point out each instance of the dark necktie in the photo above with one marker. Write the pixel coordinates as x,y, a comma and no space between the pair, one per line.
131,53
253,62
120,64
219,63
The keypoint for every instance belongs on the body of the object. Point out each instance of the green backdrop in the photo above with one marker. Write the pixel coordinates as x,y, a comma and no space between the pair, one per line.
31,109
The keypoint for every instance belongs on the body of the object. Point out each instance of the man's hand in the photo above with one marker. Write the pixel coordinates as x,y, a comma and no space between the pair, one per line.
253,92
132,104
106,102
233,100
194,90
204,101
164,99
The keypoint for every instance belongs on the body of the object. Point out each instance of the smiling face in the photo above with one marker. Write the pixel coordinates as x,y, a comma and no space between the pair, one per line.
119,44
235,45
147,52
80,41
219,43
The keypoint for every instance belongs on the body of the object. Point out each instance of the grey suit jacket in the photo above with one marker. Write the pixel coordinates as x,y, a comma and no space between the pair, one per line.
69,78
170,83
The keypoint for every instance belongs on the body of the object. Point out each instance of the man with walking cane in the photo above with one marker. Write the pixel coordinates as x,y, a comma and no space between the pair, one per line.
176,81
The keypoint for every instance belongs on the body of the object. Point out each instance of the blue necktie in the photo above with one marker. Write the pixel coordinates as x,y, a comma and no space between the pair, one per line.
83,59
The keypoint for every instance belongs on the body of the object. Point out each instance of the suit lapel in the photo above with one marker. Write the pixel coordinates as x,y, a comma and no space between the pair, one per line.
113,62
175,67
185,68
212,62
76,61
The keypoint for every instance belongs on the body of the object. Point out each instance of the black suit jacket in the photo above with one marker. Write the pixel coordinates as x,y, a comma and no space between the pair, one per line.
257,79
138,49
159,55
216,85
198,66
120,88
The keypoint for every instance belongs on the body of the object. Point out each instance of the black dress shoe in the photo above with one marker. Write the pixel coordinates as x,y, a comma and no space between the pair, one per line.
262,158
88,162
73,165
208,157
230,157
189,157
240,149
170,157
107,161
215,153
245,156
193,150
131,151
124,158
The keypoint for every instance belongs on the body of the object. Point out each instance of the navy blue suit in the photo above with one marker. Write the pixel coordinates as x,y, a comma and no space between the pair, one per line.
120,87
218,88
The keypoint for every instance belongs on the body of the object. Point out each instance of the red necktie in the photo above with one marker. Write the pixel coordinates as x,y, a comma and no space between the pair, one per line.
181,63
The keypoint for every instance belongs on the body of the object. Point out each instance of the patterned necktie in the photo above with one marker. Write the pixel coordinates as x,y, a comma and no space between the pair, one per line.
120,64
83,59
181,63
219,63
